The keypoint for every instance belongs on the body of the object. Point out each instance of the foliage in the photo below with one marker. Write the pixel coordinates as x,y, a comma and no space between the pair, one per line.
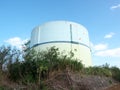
36,67
99,70
1,88
4,55
115,73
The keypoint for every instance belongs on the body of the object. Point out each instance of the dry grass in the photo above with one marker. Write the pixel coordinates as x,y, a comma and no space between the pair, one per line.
114,87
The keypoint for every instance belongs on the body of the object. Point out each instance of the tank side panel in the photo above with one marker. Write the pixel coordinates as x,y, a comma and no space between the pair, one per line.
59,31
83,35
81,53
34,36
55,32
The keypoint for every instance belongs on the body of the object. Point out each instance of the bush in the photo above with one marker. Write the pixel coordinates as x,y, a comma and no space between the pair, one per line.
2,88
38,65
115,73
98,70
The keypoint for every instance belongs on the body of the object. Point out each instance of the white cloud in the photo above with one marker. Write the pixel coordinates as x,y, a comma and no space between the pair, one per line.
110,52
99,47
91,44
16,42
115,6
110,35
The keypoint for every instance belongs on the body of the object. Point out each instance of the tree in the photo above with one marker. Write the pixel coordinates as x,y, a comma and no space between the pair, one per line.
4,55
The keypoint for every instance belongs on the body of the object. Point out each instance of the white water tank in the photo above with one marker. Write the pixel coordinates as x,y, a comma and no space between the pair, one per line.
65,35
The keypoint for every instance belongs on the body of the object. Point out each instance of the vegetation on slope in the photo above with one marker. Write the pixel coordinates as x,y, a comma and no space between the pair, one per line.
34,68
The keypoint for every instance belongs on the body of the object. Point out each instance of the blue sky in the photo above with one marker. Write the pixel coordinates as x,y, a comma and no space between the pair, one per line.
100,17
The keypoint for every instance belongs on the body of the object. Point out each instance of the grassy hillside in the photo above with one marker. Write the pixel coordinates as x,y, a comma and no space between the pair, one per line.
51,69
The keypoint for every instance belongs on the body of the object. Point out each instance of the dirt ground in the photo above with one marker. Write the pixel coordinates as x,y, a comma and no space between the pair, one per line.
115,87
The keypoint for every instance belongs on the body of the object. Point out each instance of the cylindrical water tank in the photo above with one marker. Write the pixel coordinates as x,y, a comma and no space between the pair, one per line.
65,35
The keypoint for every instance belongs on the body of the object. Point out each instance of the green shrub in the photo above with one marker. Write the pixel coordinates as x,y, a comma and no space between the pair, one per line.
2,88
115,73
98,70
